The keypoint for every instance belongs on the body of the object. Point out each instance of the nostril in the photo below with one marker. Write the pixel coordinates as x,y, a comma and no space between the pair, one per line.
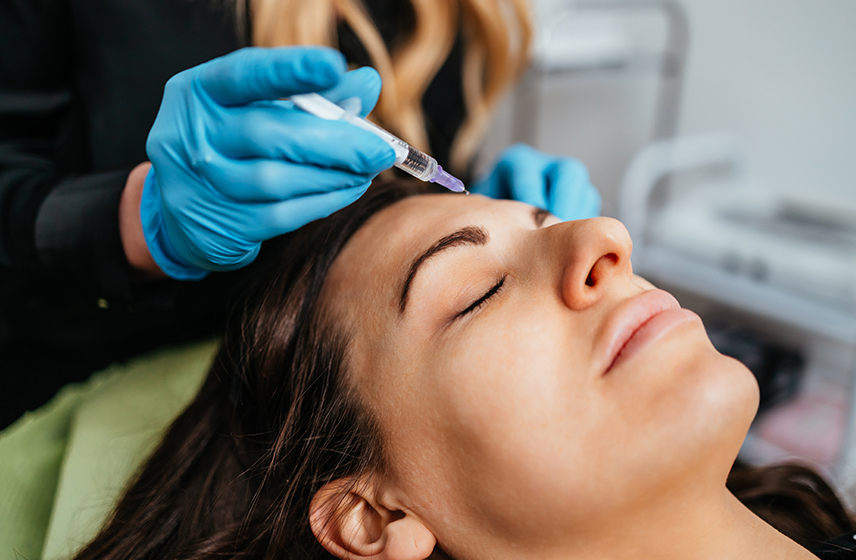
598,270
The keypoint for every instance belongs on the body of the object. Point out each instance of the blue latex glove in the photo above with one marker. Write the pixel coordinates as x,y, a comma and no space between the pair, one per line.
558,184
232,165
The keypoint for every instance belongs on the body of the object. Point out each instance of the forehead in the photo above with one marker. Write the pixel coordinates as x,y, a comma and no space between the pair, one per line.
376,258
366,279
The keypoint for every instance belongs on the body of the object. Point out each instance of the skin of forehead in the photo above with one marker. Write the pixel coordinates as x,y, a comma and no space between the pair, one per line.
396,235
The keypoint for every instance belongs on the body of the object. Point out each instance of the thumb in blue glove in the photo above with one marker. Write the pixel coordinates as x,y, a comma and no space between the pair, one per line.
558,184
233,165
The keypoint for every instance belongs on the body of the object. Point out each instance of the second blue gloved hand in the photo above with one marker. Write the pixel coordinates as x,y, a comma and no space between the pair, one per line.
233,166
558,184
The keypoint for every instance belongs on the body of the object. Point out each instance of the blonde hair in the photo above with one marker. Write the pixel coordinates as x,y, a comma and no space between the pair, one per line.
497,36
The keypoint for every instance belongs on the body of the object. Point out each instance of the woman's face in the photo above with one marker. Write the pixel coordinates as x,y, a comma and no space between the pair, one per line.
519,399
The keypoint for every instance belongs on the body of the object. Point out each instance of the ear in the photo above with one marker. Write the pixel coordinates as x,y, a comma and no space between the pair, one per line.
351,523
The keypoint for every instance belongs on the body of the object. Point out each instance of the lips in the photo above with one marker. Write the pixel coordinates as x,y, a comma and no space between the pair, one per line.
640,321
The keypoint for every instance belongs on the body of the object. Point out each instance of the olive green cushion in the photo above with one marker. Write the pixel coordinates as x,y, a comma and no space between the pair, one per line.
63,466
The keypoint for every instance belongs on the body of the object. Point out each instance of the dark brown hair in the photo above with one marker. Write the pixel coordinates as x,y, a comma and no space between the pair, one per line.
792,498
274,421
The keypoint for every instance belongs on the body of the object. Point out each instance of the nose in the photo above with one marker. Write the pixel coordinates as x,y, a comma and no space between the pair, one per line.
594,255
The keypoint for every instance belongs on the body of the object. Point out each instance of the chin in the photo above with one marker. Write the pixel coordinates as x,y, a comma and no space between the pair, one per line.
725,405
745,393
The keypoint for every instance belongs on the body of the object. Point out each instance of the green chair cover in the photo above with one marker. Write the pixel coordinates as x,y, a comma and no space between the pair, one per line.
63,466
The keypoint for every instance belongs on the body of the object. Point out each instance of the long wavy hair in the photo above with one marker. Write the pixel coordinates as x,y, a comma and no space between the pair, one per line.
497,35
276,420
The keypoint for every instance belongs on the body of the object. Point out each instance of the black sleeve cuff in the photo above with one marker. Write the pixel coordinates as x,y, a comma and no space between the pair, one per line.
77,234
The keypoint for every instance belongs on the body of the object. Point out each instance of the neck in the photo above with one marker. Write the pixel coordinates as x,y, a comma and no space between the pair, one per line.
721,528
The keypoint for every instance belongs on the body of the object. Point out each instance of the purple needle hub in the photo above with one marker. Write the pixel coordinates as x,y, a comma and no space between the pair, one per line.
452,183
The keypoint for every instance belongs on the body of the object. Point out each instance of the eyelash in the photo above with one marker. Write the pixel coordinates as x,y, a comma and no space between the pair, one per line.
482,300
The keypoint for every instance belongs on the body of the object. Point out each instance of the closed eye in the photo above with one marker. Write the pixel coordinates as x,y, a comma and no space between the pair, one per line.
482,300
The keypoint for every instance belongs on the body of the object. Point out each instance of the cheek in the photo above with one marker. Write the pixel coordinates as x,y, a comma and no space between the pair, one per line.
514,380
515,415
512,389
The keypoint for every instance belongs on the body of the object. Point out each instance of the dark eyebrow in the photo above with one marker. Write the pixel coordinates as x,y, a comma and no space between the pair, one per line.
539,215
470,235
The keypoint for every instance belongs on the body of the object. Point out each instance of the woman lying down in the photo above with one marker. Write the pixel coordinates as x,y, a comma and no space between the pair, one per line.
442,376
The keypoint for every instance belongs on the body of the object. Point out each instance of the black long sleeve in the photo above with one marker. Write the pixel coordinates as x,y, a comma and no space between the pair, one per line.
80,85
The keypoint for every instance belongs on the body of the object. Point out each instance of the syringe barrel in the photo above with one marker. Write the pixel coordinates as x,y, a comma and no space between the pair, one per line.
420,165
407,158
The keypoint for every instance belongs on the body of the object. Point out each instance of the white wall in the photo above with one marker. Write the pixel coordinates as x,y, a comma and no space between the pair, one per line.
782,74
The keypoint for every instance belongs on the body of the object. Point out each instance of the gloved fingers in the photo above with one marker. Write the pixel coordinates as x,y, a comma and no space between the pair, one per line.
362,83
484,186
275,131
497,182
208,251
518,174
571,196
236,262
254,74
266,180
591,203
276,219
528,181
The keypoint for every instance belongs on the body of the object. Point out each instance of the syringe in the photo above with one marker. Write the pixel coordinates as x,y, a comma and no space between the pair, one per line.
417,163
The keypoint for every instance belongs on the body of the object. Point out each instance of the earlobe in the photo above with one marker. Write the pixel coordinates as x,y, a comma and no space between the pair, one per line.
350,524
407,539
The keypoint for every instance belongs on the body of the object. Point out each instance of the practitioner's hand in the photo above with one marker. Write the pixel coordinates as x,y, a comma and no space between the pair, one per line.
558,184
232,165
